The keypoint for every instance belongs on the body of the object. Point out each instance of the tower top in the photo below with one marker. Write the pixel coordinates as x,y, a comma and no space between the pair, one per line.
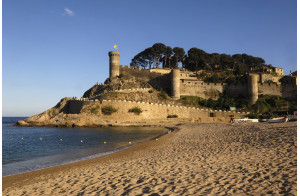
113,53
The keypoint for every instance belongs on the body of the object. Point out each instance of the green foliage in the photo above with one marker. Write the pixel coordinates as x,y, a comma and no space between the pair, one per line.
261,106
163,95
223,103
95,110
172,116
253,116
197,59
273,103
236,79
211,103
178,53
108,110
266,104
121,75
274,73
136,110
270,82
213,79
202,76
242,103
190,100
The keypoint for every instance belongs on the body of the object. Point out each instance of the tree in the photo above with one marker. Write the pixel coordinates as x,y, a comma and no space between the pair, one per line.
158,49
143,59
214,60
178,54
148,55
197,57
167,56
226,61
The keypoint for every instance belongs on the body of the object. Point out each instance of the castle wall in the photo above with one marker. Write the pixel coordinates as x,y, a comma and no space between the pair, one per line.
159,111
161,71
289,91
211,90
138,72
201,89
190,86
265,77
155,79
269,89
75,106
236,90
151,111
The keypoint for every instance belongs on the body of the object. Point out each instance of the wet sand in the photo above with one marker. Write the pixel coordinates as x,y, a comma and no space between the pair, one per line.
199,159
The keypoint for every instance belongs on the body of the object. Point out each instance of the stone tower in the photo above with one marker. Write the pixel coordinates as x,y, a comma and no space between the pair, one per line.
175,81
253,88
114,63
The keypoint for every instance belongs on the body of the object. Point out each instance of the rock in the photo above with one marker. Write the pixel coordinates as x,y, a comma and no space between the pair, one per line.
22,123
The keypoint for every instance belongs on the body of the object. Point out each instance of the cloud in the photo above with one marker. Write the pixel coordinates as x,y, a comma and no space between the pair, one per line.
68,12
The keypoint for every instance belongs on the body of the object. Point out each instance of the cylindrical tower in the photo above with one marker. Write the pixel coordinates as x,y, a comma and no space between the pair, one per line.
114,63
175,80
253,88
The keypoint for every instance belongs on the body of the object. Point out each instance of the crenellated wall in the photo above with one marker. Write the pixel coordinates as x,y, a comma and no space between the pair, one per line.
150,110
159,111
211,90
269,89
190,86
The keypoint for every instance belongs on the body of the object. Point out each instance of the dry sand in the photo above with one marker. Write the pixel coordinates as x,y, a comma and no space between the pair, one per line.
199,159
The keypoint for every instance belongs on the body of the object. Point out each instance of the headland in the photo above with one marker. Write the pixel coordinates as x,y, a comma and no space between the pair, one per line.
132,96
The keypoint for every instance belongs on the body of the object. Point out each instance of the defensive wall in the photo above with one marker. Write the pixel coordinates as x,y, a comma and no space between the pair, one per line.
149,110
146,74
194,87
211,90
177,83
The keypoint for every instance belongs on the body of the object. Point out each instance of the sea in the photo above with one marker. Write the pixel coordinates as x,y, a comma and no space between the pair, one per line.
27,149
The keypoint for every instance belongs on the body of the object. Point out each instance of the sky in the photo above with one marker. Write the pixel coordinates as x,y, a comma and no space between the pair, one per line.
59,48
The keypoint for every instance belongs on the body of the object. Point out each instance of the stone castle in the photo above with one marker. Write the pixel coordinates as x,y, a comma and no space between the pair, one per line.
136,91
178,82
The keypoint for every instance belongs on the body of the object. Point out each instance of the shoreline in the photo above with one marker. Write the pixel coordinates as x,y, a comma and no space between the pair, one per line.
17,179
200,159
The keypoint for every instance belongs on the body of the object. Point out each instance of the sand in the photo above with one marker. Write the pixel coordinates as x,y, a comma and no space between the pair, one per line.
198,159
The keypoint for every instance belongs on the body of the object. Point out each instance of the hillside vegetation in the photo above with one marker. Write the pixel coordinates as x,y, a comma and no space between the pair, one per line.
195,59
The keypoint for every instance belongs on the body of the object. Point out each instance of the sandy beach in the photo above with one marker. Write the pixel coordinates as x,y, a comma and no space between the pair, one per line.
197,159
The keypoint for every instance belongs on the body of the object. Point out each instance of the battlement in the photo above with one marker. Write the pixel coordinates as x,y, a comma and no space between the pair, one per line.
141,103
183,82
114,53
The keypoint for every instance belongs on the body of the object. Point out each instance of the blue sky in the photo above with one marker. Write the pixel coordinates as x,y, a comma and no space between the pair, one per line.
59,48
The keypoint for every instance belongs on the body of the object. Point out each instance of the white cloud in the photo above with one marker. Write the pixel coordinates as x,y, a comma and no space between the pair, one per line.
68,12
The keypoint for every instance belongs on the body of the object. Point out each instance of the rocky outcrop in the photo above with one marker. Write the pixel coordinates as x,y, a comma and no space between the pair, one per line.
59,116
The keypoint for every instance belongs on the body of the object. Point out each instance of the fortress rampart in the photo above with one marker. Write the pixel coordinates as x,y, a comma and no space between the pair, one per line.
139,73
150,110
177,83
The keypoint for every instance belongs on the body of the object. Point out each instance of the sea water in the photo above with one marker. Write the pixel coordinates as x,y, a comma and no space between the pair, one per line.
31,148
